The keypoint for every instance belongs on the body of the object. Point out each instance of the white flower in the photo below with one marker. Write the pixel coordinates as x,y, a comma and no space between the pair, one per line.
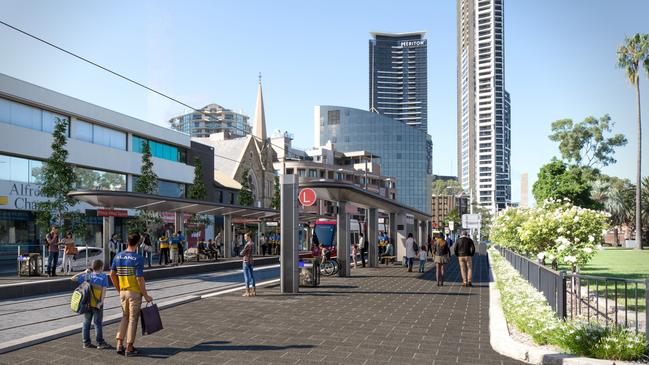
591,238
570,259
588,250
540,255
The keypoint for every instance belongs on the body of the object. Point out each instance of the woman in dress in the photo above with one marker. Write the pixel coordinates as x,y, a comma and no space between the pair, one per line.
442,256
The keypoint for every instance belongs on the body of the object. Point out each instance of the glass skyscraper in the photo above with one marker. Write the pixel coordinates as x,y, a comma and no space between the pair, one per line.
405,152
398,77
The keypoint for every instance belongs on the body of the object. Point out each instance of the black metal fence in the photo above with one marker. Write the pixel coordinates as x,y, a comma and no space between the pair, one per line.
606,300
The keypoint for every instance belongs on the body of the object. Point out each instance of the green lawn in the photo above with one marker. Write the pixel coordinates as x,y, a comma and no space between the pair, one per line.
621,263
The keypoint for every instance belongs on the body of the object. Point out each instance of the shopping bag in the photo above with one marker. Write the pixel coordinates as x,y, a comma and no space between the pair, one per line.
150,318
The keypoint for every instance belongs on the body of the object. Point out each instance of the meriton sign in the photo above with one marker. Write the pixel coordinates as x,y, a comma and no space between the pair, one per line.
407,44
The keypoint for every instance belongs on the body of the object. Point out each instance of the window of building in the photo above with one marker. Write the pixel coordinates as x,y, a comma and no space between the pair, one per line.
99,135
99,180
27,116
333,117
160,150
167,188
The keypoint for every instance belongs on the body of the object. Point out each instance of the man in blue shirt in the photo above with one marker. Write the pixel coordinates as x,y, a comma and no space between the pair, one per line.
127,275
98,284
181,247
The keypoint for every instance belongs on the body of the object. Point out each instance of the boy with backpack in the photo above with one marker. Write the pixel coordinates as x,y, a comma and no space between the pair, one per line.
92,307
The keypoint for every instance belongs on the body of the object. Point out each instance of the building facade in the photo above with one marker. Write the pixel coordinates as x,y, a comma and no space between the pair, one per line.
212,118
399,76
104,147
359,168
483,115
406,152
443,205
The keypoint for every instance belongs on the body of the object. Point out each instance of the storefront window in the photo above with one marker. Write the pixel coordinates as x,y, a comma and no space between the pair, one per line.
99,180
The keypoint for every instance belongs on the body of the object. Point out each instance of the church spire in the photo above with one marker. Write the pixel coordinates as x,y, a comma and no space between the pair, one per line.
259,128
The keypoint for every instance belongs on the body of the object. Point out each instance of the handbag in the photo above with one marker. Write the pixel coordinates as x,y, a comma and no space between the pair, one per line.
150,318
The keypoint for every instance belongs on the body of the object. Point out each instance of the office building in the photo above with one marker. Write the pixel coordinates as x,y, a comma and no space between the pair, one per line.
405,152
212,118
360,168
483,115
443,205
398,77
104,148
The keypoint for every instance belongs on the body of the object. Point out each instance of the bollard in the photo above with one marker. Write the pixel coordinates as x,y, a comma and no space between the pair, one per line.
18,260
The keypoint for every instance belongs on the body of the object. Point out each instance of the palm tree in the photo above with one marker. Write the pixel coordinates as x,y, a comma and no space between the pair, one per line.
632,56
619,208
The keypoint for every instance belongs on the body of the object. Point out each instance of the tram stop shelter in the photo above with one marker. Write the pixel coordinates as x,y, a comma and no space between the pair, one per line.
111,200
402,219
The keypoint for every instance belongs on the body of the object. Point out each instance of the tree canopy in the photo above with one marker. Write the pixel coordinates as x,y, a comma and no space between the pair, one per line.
245,194
197,189
587,143
147,182
446,187
558,180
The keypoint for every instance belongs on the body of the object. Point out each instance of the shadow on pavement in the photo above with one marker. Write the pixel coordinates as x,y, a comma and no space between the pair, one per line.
166,352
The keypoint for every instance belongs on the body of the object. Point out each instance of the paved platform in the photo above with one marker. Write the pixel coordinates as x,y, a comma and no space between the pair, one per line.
377,316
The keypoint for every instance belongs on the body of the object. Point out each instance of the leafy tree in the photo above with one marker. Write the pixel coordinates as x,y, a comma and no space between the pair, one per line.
486,218
452,216
615,196
277,198
245,195
446,187
632,56
147,182
586,143
57,180
557,180
197,190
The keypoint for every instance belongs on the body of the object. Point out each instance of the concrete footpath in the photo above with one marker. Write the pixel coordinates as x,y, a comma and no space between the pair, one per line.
377,316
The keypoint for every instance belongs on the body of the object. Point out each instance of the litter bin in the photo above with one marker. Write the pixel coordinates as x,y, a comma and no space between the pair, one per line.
309,273
30,264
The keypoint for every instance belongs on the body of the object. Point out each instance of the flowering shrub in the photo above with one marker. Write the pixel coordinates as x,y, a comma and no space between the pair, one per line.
527,309
556,230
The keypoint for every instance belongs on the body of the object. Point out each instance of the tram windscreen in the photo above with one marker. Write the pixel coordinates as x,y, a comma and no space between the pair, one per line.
325,233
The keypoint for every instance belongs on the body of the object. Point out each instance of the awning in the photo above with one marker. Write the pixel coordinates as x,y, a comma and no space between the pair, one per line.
341,191
158,203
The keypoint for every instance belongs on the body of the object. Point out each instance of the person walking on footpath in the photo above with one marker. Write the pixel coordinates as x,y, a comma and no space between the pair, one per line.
69,250
127,275
411,250
441,256
464,249
248,274
163,242
423,256
316,252
98,283
52,241
113,246
147,248
362,247
430,245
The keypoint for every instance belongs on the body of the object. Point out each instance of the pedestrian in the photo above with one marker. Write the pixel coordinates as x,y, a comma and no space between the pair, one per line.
173,248
218,240
354,253
442,256
411,250
362,247
181,248
429,242
69,250
264,244
449,241
164,249
94,315
422,258
52,241
316,252
464,249
248,275
147,248
113,246
127,275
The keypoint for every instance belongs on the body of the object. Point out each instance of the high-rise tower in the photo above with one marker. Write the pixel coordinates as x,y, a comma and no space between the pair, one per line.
483,115
398,77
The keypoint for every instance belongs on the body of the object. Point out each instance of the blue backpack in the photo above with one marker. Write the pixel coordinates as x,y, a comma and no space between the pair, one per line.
80,300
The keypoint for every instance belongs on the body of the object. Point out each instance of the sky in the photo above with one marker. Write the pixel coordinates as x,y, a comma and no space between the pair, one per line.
559,62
